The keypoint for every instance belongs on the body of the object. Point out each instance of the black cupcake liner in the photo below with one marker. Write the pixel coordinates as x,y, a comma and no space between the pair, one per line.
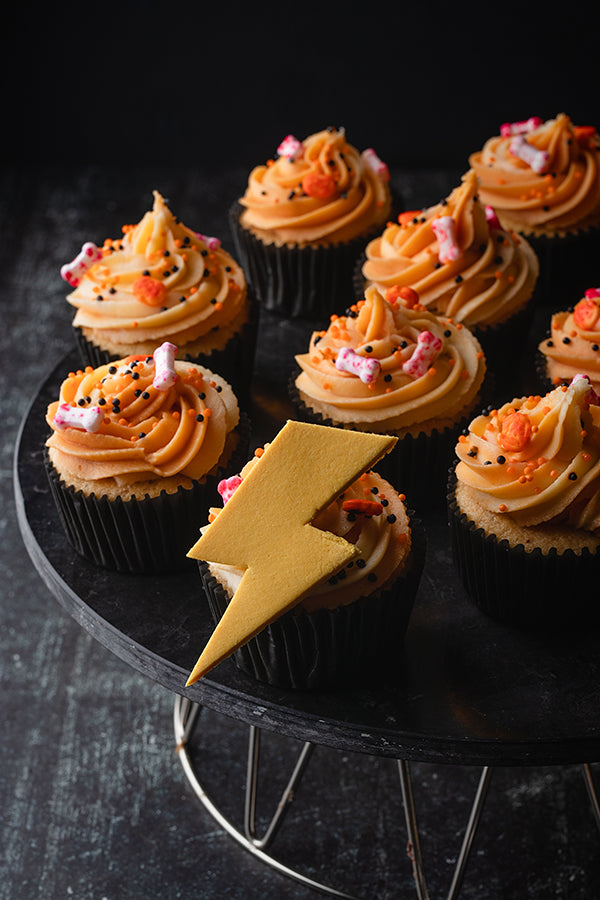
141,536
350,645
569,265
418,464
235,362
527,589
297,282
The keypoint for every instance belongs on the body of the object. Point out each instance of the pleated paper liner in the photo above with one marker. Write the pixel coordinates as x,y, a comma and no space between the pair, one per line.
235,362
148,535
348,646
298,281
569,265
526,589
418,464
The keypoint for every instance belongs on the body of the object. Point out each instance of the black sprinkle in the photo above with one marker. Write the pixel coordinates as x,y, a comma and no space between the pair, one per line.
572,476
391,518
501,460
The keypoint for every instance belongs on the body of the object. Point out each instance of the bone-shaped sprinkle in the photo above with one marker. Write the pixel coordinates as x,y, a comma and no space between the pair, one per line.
508,129
290,147
537,159
74,271
491,217
590,396
428,346
375,164
213,243
444,229
88,418
164,360
365,367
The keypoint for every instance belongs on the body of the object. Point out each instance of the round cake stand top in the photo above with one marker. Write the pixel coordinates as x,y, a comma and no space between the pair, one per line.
467,689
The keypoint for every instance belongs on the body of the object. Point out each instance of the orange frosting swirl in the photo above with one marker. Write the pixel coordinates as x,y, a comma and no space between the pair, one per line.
564,197
537,459
376,329
160,281
146,433
574,342
492,277
329,193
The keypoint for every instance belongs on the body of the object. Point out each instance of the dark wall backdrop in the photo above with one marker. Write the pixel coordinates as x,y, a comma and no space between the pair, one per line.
221,83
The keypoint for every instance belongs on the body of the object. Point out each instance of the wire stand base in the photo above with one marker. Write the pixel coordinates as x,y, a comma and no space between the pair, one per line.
185,718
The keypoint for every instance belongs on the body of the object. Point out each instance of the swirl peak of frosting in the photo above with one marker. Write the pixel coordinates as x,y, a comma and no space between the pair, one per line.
559,195
320,189
573,345
160,280
460,262
150,427
427,367
537,459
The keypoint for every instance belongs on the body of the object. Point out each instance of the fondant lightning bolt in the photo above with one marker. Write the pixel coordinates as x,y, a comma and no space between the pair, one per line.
264,529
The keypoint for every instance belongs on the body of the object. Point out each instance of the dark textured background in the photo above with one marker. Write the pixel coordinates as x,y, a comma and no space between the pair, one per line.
99,107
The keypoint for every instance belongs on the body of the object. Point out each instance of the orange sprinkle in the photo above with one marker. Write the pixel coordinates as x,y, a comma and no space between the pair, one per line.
175,414
503,507
553,473
318,185
403,538
586,457
122,421
259,452
366,507
207,413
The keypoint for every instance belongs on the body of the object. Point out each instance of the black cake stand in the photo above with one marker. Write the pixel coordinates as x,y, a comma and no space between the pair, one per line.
469,691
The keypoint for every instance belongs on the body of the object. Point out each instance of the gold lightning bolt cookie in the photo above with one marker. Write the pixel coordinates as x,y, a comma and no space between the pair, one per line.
265,528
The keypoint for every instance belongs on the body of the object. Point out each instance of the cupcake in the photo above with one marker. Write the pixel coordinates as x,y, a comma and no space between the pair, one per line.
395,368
305,217
524,509
161,281
316,591
136,453
463,265
543,181
573,345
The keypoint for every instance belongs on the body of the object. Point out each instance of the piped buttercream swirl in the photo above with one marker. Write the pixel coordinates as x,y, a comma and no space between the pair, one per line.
327,192
490,276
146,432
402,395
574,342
537,459
159,281
563,197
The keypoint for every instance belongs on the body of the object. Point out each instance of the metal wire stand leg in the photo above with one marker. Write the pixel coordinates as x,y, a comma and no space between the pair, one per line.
414,848
589,783
185,718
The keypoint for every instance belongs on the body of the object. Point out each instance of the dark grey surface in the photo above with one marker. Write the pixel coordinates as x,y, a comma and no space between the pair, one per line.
93,803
